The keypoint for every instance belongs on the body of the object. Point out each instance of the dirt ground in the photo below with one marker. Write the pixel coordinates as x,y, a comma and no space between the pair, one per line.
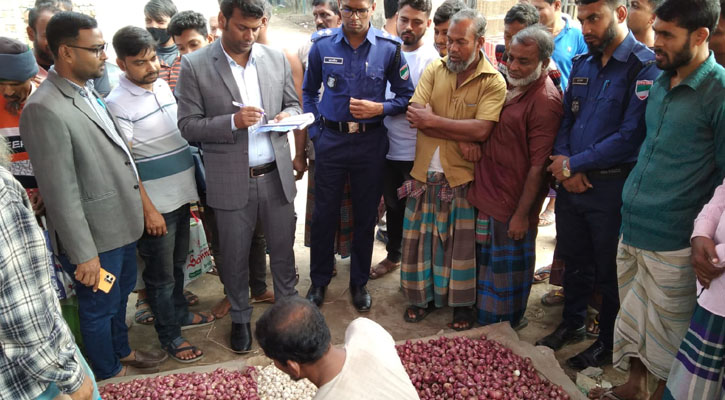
388,301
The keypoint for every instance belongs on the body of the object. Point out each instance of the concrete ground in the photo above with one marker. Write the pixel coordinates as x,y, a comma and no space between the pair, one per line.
388,301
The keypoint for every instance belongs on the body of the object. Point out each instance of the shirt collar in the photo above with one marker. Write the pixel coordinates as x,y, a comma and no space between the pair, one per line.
622,52
133,88
566,27
87,89
484,66
252,56
340,35
695,78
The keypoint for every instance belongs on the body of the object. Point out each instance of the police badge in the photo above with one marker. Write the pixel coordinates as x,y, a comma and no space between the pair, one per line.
575,106
331,81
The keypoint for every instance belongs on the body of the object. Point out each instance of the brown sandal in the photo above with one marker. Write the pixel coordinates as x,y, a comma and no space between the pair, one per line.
383,268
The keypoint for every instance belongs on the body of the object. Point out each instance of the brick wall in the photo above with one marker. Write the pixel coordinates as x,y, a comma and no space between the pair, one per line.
14,16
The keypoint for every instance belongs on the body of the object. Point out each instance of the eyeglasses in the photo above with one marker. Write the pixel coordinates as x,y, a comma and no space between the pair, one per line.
96,50
360,12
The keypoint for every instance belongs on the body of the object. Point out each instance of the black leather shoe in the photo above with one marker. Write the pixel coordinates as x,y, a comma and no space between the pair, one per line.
597,355
562,336
361,298
316,294
241,337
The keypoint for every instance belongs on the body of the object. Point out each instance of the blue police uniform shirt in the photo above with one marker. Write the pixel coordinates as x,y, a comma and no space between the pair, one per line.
567,44
603,124
361,73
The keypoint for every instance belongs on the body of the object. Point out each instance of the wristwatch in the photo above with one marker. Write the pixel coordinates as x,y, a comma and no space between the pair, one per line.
565,168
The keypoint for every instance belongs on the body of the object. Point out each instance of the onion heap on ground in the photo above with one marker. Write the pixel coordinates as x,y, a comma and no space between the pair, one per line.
473,369
273,384
218,385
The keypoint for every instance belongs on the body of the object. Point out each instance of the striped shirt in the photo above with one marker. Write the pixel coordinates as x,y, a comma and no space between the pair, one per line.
20,162
171,73
163,158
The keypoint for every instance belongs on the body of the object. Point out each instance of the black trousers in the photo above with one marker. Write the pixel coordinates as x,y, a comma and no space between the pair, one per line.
395,173
587,230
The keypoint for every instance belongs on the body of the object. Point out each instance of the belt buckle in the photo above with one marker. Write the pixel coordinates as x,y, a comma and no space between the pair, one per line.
252,174
353,127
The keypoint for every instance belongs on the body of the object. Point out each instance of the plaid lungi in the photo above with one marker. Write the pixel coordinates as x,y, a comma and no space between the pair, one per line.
657,295
505,271
343,237
439,260
699,368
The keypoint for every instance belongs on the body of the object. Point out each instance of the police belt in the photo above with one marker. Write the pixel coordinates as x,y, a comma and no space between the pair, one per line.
616,172
351,127
263,169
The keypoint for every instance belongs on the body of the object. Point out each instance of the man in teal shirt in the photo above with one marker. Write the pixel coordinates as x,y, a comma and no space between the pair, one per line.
680,163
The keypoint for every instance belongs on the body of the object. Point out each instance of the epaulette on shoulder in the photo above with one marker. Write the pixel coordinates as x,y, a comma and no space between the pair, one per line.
385,35
579,57
323,33
644,54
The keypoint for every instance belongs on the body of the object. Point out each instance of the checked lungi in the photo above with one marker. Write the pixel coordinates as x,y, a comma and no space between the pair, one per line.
505,271
699,368
343,238
658,295
439,261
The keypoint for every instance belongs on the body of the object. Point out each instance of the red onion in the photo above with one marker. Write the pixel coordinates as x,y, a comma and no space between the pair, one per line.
220,384
472,369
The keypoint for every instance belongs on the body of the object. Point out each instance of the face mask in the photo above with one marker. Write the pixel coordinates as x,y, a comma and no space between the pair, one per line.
161,36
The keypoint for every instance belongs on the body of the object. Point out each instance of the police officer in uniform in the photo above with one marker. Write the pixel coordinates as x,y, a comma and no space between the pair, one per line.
353,64
596,147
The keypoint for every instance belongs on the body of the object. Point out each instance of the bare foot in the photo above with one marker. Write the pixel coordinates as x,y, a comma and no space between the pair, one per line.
625,391
222,308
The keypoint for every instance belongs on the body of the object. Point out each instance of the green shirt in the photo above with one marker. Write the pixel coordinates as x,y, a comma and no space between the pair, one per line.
681,161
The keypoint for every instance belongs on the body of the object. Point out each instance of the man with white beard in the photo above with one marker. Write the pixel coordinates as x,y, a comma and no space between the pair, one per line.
509,189
455,107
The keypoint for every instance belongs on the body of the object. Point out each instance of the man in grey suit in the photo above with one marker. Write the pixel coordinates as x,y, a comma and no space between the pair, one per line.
88,180
248,173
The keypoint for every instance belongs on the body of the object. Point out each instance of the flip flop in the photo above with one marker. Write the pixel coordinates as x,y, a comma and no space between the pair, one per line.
547,218
381,269
419,312
191,298
173,349
205,320
143,315
542,274
462,315
553,298
593,327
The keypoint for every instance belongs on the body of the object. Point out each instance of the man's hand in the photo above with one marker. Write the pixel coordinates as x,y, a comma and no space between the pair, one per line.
299,163
365,109
37,202
89,273
578,183
154,222
471,151
281,116
85,392
704,260
518,226
420,118
248,116
557,167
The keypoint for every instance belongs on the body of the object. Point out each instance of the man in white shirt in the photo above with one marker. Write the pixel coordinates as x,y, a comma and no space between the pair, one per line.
293,333
412,21
146,112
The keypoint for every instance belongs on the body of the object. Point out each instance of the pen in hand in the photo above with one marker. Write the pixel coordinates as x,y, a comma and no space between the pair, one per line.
240,105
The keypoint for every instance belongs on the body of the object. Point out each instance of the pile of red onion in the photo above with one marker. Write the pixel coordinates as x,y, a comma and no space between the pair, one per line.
473,369
218,385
